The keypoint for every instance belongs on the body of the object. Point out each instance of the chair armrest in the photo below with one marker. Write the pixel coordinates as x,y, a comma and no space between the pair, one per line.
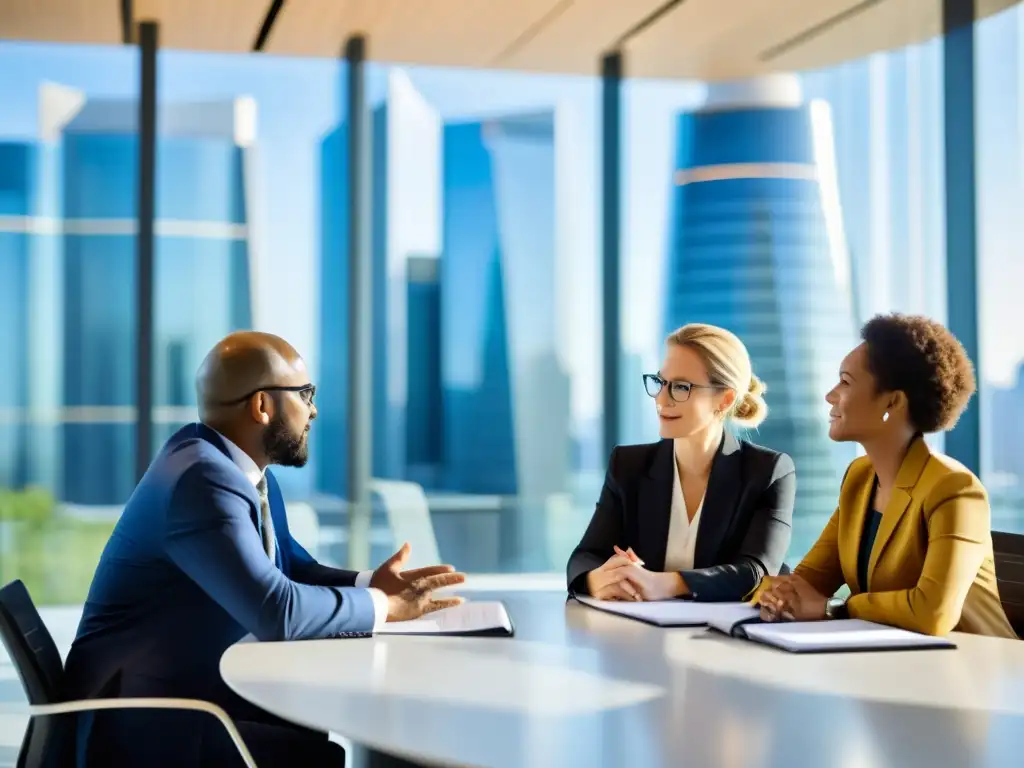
92,705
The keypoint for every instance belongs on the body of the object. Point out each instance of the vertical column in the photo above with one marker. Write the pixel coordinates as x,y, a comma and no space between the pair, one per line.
148,44
964,442
611,229
360,298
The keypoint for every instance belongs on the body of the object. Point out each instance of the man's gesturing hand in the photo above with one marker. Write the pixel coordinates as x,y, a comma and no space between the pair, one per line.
417,597
390,579
409,592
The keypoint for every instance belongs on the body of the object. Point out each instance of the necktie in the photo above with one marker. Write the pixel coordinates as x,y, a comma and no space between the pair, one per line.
266,521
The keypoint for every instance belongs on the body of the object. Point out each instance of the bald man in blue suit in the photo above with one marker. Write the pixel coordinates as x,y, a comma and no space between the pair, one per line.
202,556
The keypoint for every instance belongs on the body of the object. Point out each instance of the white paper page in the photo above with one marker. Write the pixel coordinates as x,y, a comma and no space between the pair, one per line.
729,615
465,618
844,634
678,613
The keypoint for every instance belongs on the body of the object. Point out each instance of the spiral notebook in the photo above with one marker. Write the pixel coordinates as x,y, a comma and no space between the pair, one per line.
836,636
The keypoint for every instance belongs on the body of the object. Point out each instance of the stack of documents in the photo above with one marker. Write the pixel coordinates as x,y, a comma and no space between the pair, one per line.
831,636
742,620
675,613
480,619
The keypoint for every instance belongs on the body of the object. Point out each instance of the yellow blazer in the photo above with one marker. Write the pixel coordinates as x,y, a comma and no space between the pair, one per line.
931,568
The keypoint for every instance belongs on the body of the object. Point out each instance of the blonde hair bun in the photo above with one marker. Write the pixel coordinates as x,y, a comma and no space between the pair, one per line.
728,365
752,410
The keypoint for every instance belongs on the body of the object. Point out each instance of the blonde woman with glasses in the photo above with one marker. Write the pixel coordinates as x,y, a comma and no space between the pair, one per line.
699,514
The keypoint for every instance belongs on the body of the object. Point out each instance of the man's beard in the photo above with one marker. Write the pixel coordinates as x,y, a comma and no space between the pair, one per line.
282,447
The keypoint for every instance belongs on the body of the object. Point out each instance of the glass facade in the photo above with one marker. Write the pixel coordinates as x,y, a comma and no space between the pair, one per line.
789,210
999,90
506,394
752,250
405,139
18,177
201,260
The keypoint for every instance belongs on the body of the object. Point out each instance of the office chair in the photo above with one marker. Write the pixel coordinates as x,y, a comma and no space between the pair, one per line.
1009,556
49,740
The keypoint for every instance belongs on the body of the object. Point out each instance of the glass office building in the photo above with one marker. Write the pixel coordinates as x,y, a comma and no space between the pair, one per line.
424,441
756,247
87,181
506,391
406,225
18,174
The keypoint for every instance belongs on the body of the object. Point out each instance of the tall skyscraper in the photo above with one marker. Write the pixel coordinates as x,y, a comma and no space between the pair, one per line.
424,440
755,248
18,177
202,269
406,220
506,392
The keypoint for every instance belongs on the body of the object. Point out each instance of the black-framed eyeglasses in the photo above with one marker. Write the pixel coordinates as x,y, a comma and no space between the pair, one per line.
306,391
679,391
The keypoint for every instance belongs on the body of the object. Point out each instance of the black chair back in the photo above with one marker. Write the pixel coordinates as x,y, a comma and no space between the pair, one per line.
38,663
1009,556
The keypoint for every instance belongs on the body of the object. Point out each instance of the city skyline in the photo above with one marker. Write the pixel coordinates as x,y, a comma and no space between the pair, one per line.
73,273
887,146
300,101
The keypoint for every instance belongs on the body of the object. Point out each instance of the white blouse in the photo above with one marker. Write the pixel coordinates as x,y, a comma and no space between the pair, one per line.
682,532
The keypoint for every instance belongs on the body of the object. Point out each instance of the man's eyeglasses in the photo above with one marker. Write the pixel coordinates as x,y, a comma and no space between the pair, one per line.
306,391
679,391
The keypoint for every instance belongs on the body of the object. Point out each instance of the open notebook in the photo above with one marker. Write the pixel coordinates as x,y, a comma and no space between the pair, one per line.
480,619
674,613
827,636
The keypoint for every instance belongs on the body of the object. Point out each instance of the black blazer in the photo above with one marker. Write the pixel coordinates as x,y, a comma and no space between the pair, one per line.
744,529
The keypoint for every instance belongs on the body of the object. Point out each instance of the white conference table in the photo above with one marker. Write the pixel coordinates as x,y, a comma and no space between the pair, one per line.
579,687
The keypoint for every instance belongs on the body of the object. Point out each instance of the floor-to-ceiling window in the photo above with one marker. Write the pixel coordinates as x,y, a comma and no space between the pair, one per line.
68,143
999,89
789,209
485,272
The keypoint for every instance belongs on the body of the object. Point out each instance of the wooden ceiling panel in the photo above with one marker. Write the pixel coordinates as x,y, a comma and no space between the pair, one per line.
470,33
693,39
732,39
61,21
574,36
702,36
879,27
883,26
203,25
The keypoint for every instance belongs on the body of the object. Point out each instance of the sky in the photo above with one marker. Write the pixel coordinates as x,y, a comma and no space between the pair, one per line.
299,101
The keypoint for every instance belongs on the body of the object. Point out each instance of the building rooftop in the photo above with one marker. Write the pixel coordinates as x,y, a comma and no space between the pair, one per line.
701,39
67,110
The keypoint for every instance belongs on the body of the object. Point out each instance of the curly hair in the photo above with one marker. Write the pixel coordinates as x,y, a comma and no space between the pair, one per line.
921,358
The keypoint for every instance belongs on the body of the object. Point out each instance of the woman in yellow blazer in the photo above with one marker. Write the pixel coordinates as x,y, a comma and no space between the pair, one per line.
911,536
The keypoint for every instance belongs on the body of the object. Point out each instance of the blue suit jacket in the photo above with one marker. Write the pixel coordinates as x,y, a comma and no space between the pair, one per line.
185,575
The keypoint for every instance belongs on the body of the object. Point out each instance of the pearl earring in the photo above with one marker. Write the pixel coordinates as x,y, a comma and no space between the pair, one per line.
885,416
